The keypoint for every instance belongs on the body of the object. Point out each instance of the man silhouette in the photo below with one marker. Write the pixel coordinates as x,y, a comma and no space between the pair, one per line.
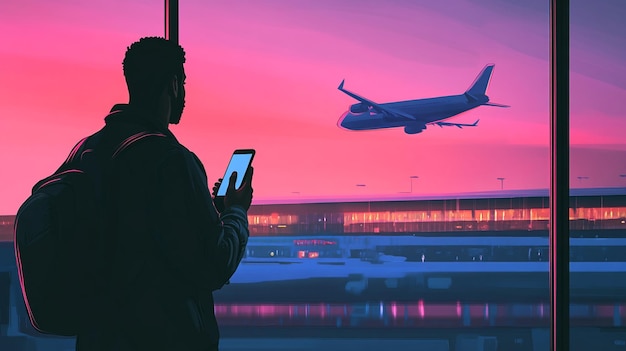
174,242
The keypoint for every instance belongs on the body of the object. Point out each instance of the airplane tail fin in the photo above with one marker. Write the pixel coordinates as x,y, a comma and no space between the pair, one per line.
479,86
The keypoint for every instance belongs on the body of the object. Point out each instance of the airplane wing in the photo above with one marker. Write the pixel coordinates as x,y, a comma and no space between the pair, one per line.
390,112
495,105
460,125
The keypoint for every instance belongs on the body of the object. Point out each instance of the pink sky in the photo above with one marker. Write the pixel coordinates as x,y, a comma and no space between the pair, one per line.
264,75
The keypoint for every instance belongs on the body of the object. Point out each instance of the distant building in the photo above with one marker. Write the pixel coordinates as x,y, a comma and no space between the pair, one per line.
6,228
520,211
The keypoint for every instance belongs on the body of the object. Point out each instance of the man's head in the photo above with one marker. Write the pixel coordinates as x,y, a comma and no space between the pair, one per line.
153,68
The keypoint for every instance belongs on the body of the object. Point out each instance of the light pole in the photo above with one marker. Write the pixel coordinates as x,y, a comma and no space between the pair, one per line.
413,177
361,186
501,182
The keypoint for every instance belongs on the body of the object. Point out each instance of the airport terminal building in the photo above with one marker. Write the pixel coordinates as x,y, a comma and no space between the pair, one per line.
504,226
470,214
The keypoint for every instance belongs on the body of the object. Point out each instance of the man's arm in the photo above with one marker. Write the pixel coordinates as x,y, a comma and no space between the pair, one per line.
203,247
231,248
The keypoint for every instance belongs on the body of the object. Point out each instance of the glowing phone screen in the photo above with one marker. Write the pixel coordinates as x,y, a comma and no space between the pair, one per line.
239,163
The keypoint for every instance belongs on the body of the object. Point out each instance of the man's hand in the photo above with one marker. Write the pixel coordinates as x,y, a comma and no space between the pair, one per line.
240,197
218,201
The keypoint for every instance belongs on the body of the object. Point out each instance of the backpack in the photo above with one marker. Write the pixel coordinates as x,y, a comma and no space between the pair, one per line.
61,244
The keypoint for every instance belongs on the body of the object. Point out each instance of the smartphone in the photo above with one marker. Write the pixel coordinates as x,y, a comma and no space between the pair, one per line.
239,162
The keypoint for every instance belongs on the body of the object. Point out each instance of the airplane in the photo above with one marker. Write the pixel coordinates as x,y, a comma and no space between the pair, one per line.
415,115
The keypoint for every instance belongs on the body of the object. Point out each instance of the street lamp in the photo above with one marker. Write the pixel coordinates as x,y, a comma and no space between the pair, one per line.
501,182
581,178
361,186
412,177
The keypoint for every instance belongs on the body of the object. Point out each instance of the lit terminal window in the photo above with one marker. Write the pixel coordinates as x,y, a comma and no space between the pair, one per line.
313,242
540,214
614,212
273,219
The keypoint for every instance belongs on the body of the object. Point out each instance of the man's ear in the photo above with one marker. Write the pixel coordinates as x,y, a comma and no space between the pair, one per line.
175,86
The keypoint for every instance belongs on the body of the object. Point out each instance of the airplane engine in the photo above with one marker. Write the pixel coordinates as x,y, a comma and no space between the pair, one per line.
359,108
414,128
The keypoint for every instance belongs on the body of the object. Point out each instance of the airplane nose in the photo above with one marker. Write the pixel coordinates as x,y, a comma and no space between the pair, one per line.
342,119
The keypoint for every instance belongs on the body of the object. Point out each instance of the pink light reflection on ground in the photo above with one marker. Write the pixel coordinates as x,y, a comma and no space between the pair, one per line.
412,313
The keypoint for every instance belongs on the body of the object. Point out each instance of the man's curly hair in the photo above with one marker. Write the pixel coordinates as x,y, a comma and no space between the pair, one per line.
149,63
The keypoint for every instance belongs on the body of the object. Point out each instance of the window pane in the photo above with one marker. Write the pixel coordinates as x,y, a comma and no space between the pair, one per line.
443,231
598,168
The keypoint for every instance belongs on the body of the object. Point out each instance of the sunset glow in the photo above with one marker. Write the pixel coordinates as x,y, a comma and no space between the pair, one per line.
264,75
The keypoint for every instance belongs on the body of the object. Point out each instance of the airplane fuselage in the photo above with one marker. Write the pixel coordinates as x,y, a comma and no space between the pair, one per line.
414,115
424,110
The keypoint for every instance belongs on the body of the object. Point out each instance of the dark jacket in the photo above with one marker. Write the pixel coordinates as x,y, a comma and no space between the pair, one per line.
172,248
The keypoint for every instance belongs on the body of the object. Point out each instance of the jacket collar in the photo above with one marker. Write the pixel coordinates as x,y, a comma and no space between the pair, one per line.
124,113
